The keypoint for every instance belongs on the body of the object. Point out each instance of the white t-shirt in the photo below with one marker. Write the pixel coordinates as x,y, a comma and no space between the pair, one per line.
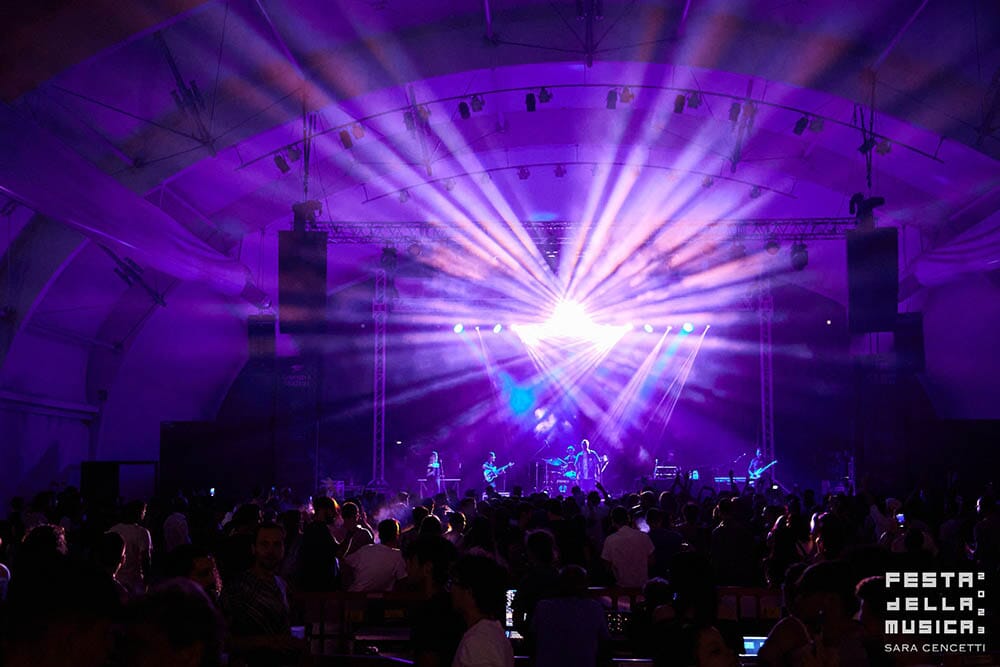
484,645
628,550
138,547
375,568
175,531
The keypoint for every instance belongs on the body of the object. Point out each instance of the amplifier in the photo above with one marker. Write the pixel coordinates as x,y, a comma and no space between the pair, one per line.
665,472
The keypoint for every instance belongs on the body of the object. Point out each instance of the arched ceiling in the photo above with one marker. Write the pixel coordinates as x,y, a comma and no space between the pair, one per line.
183,105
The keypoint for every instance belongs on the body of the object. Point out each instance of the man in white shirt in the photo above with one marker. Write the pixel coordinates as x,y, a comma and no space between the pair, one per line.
175,527
478,590
138,547
377,567
627,551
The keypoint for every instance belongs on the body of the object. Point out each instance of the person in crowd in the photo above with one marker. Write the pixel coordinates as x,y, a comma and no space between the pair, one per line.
540,581
572,628
437,625
986,535
175,625
4,576
318,568
109,556
732,548
478,587
456,528
197,564
692,530
695,645
431,525
376,568
354,533
235,552
666,542
175,526
256,605
627,551
138,547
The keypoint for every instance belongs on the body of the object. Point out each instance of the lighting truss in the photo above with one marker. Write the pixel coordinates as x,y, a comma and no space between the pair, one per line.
440,232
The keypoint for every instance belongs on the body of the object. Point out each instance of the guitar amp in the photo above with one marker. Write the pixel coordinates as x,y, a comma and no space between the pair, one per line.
665,472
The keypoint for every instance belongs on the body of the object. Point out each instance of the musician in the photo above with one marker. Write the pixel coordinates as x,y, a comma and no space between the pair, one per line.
589,466
757,467
435,473
492,472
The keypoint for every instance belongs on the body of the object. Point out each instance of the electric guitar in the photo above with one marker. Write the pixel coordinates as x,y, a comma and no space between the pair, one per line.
753,475
491,473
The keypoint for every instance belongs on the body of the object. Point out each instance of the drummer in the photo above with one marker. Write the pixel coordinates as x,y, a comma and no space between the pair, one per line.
567,466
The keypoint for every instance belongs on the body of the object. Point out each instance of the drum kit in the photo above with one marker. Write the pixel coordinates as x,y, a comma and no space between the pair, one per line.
556,476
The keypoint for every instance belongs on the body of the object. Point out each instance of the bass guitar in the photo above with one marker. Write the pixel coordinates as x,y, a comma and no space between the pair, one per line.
491,473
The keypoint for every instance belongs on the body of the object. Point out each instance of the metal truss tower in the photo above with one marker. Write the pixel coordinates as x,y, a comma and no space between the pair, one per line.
765,315
380,313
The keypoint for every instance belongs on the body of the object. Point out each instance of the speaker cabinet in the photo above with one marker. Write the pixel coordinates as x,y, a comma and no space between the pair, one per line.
872,280
301,281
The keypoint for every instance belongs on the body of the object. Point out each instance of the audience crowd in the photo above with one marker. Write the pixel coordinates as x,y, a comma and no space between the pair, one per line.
194,581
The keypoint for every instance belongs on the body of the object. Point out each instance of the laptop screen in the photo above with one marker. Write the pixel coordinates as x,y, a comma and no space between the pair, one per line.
751,645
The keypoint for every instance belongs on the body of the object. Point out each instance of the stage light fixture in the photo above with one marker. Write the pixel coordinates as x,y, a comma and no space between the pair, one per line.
282,164
867,146
829,322
679,103
707,182
734,112
523,173
415,249
612,101
294,153
497,328
458,328
409,121
544,95
816,125
477,102
404,196
358,130
694,100
755,192
529,102
884,147
648,328
559,171
464,111
345,139
449,184
688,327
800,256
477,327
772,246
627,95
800,125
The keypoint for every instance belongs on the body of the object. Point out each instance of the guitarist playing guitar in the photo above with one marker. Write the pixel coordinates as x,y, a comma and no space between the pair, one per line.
490,469
758,466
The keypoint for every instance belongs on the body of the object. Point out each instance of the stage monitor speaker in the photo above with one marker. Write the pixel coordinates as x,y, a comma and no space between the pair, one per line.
301,281
872,280
909,342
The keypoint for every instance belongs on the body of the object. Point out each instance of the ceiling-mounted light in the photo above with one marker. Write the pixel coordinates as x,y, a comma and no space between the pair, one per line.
523,173
404,196
816,125
477,103
734,112
755,192
612,100
544,95
679,103
772,246
800,126
884,147
282,164
464,111
529,102
345,139
694,100
627,95
559,171
358,130
707,182
409,121
867,146
294,153
449,184
800,256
